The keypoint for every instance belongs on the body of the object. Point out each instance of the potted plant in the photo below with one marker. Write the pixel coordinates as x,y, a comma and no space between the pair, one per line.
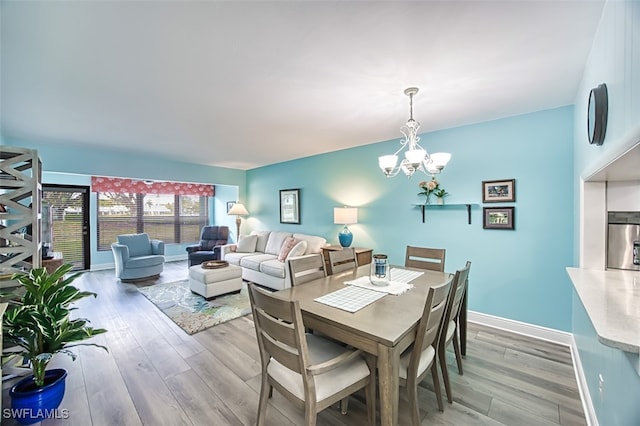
440,193
36,326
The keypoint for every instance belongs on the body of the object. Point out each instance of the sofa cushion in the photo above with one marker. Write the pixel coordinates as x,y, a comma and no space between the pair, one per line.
263,237
274,267
276,239
247,244
234,258
286,248
144,261
314,243
298,249
253,261
139,244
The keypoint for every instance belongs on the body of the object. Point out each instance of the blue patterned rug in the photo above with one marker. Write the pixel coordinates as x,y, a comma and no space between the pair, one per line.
193,313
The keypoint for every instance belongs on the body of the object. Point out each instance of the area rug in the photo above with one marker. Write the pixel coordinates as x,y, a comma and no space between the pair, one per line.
193,313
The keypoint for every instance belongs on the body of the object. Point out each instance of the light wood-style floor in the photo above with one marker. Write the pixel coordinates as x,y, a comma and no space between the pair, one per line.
155,374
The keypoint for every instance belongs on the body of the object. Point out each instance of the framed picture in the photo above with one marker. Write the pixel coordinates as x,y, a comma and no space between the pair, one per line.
290,206
229,205
499,191
498,218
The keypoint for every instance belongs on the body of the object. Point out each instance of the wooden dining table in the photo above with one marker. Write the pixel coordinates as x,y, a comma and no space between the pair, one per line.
384,329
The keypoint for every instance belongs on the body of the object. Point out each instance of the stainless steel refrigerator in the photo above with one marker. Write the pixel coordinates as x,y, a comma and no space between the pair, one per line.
623,241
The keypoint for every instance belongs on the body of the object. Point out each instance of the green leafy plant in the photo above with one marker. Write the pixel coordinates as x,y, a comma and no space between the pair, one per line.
431,187
441,193
38,321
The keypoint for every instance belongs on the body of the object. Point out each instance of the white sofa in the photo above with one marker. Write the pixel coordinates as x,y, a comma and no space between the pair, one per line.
263,255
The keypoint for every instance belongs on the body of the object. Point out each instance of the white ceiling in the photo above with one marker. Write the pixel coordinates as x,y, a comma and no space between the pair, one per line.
244,84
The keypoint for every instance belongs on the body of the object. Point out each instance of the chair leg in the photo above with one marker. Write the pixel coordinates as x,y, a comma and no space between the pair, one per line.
445,373
412,394
266,391
456,348
370,392
436,385
310,413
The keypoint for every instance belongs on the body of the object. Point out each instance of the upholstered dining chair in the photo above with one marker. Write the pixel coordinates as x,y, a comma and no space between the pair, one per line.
342,260
307,268
451,325
416,361
309,370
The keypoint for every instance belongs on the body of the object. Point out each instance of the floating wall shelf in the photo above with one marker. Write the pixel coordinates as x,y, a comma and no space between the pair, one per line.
424,207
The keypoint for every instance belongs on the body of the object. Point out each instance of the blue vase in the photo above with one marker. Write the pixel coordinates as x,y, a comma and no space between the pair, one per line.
31,404
345,237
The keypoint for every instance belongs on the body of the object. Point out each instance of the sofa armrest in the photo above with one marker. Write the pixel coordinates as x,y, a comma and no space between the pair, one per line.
193,248
157,247
227,248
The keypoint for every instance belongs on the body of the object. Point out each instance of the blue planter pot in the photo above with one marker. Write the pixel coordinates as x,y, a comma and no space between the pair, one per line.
31,404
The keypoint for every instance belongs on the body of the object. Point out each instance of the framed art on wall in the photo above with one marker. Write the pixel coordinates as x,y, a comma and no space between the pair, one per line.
290,206
498,218
229,205
499,191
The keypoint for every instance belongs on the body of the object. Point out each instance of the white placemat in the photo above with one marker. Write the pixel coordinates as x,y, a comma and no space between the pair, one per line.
350,299
399,282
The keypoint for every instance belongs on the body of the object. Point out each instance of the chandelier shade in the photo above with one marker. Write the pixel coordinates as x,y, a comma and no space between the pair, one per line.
415,156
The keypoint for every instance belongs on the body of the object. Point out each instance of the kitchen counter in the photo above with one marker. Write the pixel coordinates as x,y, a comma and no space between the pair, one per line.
612,301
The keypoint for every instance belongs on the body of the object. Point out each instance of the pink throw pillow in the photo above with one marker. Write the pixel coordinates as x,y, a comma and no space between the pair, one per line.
288,244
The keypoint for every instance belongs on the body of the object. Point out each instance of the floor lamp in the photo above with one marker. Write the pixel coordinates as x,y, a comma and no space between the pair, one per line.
238,210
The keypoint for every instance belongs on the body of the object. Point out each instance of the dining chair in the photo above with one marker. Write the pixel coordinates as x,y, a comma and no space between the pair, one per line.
342,260
431,259
305,269
311,371
416,361
451,325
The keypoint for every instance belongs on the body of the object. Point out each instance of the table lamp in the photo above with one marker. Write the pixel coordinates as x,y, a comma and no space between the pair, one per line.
345,216
238,210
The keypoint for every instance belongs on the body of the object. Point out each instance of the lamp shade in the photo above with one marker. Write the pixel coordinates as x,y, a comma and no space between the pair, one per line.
238,210
345,215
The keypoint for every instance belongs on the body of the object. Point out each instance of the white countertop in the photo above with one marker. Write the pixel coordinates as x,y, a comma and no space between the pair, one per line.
612,301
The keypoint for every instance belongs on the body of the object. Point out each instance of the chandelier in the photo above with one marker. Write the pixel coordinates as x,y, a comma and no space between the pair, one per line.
416,157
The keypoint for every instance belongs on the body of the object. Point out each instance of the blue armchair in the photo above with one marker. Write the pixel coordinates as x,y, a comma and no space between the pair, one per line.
138,257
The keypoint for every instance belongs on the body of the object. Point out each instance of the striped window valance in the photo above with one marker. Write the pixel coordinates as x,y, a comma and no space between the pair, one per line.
136,186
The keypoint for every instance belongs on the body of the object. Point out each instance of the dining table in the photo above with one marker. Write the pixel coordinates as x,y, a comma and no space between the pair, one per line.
385,328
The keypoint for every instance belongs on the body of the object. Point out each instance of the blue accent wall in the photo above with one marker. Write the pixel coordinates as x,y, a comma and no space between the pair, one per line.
516,274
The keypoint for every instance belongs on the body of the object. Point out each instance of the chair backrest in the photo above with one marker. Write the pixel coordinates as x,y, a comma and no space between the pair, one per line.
212,236
456,294
307,268
139,244
342,260
430,323
280,330
431,259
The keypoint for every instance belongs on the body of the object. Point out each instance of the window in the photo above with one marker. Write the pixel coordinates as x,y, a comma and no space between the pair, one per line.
168,211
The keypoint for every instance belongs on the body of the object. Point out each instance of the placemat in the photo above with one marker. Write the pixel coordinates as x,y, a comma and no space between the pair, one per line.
350,299
399,282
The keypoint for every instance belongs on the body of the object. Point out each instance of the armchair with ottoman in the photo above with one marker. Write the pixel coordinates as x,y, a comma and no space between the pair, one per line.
138,257
211,238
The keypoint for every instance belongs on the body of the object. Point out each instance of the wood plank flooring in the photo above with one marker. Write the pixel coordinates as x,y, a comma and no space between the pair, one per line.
155,374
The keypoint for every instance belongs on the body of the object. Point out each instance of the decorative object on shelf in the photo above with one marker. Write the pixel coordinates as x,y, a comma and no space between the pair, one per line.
238,210
290,206
38,325
431,187
380,273
597,112
345,216
499,191
416,157
498,218
440,195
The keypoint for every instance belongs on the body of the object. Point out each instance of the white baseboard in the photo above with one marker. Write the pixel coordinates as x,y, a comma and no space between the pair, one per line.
550,335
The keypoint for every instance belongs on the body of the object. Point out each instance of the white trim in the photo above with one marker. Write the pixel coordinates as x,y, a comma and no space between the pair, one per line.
549,335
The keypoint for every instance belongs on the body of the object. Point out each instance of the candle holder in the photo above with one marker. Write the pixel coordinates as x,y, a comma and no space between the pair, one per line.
380,273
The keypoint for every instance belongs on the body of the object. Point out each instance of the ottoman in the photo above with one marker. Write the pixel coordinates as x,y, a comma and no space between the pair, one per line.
210,283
